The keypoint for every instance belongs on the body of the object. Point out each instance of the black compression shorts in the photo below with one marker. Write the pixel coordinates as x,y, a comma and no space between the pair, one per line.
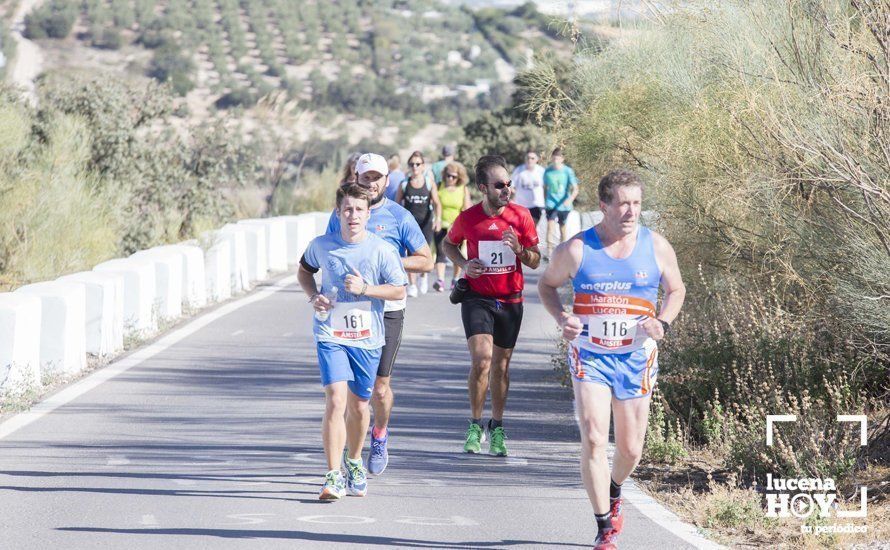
393,321
482,315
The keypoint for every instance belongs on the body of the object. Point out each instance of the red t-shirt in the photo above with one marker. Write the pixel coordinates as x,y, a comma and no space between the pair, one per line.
484,235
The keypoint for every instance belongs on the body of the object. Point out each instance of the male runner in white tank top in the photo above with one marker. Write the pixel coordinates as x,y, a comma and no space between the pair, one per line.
616,269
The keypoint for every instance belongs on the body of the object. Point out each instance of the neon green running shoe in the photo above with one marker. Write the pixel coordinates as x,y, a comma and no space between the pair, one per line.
497,447
475,437
334,487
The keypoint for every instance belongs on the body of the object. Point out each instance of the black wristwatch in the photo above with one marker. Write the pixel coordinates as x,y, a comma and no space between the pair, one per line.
664,325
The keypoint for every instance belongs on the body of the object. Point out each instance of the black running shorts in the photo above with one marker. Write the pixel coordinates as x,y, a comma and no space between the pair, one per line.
393,321
482,315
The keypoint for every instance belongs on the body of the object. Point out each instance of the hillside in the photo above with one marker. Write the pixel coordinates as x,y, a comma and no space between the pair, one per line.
377,72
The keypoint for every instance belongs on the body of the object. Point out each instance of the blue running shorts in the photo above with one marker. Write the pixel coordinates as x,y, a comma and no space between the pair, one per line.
630,375
356,366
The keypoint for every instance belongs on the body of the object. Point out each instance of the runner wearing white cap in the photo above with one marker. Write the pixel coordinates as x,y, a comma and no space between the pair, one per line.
396,226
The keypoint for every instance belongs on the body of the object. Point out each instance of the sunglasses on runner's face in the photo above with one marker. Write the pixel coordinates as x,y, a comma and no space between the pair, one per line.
415,164
501,184
451,176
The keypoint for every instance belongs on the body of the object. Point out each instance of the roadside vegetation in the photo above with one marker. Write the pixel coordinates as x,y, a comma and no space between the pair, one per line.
761,129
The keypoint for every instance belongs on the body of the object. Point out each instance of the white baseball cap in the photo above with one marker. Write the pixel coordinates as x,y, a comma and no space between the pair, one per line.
369,162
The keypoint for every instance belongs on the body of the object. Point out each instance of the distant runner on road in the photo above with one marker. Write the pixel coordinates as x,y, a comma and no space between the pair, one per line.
359,272
528,178
396,226
560,190
616,268
500,237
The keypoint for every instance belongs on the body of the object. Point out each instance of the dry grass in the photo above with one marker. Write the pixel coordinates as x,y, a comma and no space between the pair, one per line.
733,515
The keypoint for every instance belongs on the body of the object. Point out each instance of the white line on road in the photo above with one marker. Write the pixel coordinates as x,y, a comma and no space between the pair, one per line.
663,517
77,389
237,332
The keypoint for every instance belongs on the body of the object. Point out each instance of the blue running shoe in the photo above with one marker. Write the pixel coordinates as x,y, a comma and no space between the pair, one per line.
356,480
379,457
334,487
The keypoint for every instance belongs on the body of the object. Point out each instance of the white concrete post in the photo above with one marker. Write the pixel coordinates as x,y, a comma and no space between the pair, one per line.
62,325
104,310
19,342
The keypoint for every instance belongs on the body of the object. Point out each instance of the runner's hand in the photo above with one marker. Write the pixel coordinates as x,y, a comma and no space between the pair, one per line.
437,225
510,239
653,328
571,326
474,268
354,283
321,303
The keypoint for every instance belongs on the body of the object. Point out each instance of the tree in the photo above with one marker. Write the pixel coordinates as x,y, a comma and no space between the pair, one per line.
500,133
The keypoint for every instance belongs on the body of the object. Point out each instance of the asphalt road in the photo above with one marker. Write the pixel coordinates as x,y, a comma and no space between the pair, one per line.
215,443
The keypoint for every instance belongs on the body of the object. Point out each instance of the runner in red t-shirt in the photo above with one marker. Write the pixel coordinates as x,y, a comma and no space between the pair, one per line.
500,237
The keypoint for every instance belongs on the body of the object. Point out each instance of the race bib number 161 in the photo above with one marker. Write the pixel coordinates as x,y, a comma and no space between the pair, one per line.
352,320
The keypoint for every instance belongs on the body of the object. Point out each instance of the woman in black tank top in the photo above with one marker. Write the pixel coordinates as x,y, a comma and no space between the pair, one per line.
418,194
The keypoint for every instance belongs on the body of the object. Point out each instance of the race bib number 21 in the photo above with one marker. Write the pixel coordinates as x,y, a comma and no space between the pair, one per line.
496,257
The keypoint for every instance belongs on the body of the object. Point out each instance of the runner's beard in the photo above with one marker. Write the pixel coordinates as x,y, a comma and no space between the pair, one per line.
379,197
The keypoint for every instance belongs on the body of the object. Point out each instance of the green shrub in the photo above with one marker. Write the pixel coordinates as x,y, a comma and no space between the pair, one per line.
170,64
53,20
239,97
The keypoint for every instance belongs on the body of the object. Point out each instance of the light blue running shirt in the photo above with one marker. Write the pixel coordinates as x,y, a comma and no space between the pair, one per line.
395,225
355,321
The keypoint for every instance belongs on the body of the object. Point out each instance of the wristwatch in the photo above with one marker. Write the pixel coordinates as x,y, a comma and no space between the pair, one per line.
664,325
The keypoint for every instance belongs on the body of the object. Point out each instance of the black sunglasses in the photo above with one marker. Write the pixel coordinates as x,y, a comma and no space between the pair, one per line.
451,176
414,164
501,184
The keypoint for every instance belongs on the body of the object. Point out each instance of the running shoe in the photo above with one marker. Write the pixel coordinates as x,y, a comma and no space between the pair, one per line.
497,445
617,516
606,540
412,291
439,285
379,457
356,480
424,286
475,438
334,487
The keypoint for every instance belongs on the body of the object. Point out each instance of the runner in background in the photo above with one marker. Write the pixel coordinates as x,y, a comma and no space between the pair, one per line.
359,272
397,227
528,181
348,173
395,177
455,198
418,194
616,269
560,190
437,167
501,238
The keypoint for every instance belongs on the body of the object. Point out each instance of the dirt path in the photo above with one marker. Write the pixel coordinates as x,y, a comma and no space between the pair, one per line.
28,62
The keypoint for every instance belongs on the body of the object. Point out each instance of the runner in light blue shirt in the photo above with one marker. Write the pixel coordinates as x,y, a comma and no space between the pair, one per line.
359,272
396,226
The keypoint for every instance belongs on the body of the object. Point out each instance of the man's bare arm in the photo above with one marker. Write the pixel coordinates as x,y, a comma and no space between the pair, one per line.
419,261
531,256
671,280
